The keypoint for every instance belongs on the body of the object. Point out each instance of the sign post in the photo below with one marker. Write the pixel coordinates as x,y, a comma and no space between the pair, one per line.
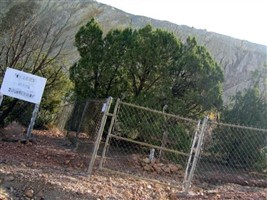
1,98
23,86
30,127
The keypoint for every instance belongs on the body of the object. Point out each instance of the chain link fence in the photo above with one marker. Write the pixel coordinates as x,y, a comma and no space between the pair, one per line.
178,151
165,148
83,125
233,154
149,144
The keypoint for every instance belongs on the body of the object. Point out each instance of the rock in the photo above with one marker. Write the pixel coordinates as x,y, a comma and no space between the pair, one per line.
147,168
9,178
41,195
67,162
146,160
167,169
174,196
22,164
35,164
156,168
191,193
180,174
29,193
212,191
135,157
127,193
11,189
173,168
180,167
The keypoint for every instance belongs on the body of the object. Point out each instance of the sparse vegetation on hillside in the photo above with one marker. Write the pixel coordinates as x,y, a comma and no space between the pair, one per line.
32,41
249,110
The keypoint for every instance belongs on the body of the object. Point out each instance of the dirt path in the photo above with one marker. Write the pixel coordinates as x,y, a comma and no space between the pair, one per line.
50,169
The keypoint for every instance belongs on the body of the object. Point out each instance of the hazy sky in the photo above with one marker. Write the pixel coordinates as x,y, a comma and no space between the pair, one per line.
243,19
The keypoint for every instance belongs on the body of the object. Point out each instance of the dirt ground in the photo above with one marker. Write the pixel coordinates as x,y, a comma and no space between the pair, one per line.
48,168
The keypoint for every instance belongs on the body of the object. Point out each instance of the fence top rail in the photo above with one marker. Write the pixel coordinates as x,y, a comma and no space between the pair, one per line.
84,101
159,112
238,126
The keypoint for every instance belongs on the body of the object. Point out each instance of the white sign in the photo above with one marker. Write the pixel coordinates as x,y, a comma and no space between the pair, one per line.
24,86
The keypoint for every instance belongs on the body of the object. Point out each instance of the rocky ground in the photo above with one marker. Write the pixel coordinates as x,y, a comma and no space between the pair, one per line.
48,168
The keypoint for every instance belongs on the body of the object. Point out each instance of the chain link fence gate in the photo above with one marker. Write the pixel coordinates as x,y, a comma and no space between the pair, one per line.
168,149
148,144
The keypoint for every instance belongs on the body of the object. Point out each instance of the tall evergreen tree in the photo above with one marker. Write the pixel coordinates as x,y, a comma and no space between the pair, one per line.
86,74
147,66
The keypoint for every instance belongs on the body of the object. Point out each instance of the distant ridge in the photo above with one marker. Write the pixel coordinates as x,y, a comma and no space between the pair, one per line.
238,58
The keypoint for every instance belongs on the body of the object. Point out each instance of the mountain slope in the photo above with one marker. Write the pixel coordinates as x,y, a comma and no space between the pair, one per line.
238,58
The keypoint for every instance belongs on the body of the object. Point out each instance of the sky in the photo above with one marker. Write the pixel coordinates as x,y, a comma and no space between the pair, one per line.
242,19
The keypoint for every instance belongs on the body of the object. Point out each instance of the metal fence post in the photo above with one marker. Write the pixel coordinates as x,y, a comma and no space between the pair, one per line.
109,132
30,127
83,114
192,151
195,152
99,134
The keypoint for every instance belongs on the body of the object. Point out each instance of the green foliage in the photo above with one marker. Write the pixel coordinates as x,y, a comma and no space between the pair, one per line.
240,147
249,109
197,78
31,40
180,136
148,67
56,90
156,129
244,147
152,68
86,73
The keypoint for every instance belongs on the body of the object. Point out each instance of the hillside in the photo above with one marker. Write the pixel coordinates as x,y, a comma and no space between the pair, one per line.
238,58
